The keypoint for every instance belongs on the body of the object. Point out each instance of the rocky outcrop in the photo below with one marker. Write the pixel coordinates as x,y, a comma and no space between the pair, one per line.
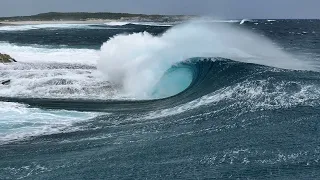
5,58
5,82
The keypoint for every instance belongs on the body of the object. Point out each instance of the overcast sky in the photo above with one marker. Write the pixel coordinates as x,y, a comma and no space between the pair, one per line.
227,9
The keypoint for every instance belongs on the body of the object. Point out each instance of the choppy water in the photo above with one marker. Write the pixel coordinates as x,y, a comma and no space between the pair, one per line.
202,100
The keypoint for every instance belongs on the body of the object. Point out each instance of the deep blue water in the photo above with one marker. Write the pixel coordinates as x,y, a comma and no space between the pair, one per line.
235,120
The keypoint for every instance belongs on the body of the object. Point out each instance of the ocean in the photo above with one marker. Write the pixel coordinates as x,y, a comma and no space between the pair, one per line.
196,100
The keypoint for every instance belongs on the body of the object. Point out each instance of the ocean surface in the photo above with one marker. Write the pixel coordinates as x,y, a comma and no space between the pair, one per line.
195,100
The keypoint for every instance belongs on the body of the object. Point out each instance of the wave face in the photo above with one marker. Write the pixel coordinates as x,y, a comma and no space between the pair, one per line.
198,101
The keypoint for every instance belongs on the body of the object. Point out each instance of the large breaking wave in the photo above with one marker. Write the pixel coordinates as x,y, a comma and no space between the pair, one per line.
136,62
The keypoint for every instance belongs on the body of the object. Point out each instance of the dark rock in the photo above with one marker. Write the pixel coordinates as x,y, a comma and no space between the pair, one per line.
5,58
5,82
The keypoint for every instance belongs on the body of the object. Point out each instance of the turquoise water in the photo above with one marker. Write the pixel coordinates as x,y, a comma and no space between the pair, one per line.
174,81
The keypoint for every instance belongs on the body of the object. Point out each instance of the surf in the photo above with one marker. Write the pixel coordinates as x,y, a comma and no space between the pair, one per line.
136,62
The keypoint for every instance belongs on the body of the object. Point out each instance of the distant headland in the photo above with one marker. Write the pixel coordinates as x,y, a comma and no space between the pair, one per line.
87,16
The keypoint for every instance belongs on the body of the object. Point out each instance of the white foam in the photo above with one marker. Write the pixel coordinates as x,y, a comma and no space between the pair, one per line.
47,73
123,23
53,73
56,83
117,23
225,21
250,96
29,54
49,26
17,121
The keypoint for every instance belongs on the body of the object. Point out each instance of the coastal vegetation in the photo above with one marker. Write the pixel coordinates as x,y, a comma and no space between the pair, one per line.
84,16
